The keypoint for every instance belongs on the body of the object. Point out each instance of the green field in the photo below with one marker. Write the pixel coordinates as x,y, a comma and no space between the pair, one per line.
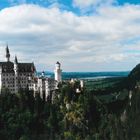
105,89
100,84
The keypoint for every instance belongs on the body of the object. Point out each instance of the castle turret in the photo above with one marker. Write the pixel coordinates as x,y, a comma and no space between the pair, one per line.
16,66
16,74
7,54
57,72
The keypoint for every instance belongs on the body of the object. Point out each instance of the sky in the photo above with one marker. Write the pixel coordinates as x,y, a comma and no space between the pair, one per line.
83,35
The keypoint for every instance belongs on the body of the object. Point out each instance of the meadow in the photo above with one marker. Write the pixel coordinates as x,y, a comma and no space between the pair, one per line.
105,89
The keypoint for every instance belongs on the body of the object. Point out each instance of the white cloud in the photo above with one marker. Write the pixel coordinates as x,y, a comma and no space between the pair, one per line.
81,43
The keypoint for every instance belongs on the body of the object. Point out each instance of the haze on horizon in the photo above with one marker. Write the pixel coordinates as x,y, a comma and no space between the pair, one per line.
91,35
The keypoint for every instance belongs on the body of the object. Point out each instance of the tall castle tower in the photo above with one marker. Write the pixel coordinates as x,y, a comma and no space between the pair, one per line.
7,54
57,72
16,74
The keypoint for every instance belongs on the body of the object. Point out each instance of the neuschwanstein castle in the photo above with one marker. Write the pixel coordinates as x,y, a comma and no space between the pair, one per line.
15,76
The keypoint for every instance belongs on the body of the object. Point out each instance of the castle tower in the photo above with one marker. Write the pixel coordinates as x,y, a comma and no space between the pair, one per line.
16,74
57,72
7,54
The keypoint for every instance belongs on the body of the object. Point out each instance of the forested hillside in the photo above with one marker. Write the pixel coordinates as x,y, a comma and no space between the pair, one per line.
71,115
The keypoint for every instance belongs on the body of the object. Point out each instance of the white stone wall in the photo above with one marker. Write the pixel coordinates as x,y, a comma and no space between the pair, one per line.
25,79
57,75
8,81
14,83
50,85
42,85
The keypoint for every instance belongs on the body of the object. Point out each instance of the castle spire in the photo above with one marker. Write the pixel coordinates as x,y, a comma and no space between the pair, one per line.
7,53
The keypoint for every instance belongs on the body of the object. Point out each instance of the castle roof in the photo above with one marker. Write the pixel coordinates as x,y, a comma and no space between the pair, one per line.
8,67
58,62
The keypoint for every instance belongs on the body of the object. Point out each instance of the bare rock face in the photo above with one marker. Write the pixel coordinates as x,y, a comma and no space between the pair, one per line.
123,116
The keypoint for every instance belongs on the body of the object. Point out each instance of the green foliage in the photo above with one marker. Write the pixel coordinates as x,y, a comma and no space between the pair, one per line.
103,83
68,136
24,138
101,114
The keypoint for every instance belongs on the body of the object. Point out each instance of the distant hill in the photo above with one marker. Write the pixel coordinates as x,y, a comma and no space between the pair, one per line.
133,77
88,75
135,73
123,82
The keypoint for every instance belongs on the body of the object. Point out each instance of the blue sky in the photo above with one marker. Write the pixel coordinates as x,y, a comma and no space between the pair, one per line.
67,3
6,3
91,35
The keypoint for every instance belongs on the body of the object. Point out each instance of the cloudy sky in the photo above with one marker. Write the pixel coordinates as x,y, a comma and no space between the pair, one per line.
84,35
